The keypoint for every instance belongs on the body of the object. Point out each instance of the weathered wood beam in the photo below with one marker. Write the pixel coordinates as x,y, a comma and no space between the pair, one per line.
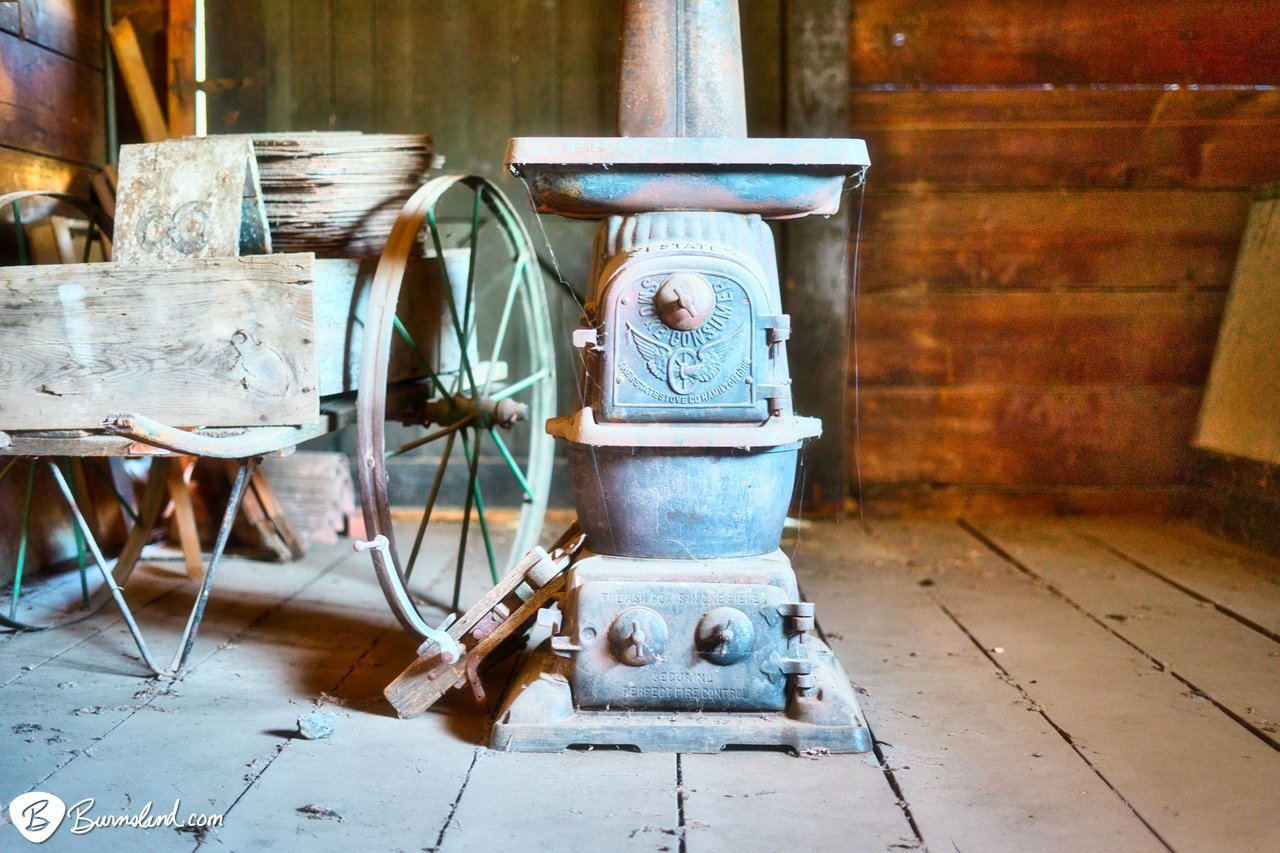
226,342
816,252
146,106
181,38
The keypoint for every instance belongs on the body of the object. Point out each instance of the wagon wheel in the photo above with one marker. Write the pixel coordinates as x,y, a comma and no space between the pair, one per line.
63,598
467,429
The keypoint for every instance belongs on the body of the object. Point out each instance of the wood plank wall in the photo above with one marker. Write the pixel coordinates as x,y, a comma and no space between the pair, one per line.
471,73
52,137
1051,223
52,128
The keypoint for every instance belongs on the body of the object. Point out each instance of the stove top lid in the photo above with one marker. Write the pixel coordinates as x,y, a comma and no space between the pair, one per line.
591,178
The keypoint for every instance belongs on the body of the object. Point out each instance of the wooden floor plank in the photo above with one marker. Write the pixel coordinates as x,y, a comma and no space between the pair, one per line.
767,801
571,801
401,767
1239,671
605,800
976,768
81,697
1190,772
1187,531
23,652
1240,581
236,714
421,764
1008,719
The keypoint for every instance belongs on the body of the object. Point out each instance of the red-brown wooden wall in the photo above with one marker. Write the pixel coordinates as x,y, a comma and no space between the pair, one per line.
1051,223
51,94
52,136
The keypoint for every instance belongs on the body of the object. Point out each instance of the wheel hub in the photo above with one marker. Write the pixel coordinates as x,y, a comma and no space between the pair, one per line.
480,412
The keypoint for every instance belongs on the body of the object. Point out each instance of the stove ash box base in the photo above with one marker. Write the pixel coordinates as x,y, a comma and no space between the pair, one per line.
593,684
539,716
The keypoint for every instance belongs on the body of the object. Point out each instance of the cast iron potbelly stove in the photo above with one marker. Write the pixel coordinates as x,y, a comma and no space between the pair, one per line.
682,627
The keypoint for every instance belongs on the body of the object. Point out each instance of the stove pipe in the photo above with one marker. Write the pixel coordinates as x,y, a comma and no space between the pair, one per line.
681,69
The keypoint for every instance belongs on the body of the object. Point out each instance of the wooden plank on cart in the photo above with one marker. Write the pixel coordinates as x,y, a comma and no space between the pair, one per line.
190,343
189,198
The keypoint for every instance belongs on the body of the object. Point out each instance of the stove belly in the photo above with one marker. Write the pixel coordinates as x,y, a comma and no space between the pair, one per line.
683,503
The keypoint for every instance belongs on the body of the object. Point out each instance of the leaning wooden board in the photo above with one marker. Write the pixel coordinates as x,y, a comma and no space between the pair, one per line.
1241,411
212,342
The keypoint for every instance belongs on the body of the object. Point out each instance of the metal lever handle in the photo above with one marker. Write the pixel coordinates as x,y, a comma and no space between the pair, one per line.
450,650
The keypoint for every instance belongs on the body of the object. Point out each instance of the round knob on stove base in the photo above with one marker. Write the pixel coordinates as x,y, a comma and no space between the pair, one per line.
638,636
725,635
684,301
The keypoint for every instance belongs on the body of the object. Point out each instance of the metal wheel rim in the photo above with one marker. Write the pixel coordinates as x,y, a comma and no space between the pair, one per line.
371,398
92,602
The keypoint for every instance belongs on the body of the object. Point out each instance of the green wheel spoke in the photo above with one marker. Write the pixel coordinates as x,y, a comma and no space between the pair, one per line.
431,504
512,464
106,481
22,542
494,313
466,525
511,227
429,437
457,383
512,390
417,354
480,516
484,533
469,300
82,565
452,303
501,336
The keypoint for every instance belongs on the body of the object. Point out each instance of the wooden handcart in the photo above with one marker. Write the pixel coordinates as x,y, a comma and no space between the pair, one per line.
196,340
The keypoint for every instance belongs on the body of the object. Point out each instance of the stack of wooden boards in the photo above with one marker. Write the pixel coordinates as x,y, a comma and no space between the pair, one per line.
337,194
316,493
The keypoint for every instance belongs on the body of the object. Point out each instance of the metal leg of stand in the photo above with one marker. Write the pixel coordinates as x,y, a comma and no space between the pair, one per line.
107,576
243,477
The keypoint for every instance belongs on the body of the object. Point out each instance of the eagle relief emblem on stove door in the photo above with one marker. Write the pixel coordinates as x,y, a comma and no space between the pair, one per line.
708,366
